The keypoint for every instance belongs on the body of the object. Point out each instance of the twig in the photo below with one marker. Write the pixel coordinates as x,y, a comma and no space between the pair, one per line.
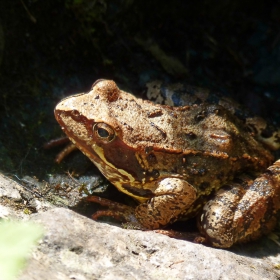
31,17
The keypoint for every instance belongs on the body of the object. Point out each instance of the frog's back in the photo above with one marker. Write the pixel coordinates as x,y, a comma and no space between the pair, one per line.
204,130
212,146
182,94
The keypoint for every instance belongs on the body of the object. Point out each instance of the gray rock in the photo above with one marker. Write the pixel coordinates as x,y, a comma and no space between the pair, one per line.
75,247
14,195
9,189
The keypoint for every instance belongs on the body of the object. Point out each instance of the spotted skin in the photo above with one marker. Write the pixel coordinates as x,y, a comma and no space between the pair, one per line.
178,162
250,208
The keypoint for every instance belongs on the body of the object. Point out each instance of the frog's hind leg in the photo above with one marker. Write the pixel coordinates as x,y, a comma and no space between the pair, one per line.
266,133
243,210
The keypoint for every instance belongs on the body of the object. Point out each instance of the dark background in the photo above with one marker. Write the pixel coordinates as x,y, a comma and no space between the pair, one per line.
51,49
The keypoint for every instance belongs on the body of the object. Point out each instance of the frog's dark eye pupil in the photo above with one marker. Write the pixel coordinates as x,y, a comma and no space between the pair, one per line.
102,132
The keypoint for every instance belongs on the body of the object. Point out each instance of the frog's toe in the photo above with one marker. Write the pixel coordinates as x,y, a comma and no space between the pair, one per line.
118,211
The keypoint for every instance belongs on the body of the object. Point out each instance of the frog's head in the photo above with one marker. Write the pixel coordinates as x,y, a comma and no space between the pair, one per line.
105,125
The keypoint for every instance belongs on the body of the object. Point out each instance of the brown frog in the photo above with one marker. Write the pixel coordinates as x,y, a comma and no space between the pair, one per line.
178,162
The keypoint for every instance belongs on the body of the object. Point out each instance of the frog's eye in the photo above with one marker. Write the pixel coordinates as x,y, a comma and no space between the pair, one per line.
104,132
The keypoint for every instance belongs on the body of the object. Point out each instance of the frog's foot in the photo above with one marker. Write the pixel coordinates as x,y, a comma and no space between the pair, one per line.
189,236
243,210
171,197
65,152
118,211
58,142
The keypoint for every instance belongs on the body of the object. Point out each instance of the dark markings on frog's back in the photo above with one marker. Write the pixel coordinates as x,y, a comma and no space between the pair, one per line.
163,133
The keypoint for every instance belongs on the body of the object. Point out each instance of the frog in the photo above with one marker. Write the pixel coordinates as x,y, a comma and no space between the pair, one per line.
197,160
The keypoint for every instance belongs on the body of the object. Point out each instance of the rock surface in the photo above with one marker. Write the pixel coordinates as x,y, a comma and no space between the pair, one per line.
75,247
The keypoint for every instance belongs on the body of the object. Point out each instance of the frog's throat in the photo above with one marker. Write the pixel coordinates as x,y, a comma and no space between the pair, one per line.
114,174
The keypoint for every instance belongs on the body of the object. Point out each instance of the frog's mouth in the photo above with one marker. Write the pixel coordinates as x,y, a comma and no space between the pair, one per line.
116,170
119,177
123,180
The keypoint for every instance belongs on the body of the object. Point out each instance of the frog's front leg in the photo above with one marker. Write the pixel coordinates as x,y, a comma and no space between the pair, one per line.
243,210
171,197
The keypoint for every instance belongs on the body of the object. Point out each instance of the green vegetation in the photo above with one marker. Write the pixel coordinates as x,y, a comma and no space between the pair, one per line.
16,241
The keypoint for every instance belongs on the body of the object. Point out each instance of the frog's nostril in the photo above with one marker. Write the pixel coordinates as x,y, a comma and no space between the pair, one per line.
75,113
